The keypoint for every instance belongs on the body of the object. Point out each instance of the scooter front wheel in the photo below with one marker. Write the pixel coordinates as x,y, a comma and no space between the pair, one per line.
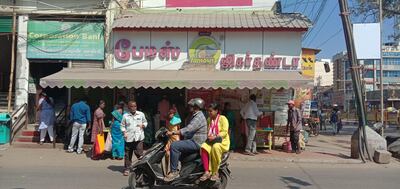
139,181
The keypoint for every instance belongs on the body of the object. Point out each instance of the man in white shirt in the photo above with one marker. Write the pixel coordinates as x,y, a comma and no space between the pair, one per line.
132,126
250,113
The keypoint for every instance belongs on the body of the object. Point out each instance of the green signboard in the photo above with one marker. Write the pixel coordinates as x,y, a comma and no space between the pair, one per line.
65,40
5,24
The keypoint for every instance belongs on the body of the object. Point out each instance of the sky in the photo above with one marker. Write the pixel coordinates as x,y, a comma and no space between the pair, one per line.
327,34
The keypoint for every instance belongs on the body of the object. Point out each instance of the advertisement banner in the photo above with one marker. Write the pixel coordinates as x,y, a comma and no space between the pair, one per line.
65,40
308,63
207,3
279,98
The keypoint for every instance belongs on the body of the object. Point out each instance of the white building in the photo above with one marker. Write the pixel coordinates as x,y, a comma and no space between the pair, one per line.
321,77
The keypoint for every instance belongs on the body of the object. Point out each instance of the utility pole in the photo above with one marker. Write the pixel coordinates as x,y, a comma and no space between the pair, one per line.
356,79
381,68
14,28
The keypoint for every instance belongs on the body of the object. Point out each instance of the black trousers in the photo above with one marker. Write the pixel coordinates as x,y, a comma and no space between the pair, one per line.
130,148
294,140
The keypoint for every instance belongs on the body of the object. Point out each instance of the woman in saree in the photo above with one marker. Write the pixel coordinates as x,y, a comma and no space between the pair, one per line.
217,143
118,142
98,126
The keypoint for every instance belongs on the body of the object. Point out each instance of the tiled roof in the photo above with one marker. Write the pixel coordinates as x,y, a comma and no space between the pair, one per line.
231,20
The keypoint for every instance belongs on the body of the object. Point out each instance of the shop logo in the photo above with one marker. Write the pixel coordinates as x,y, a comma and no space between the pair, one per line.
204,50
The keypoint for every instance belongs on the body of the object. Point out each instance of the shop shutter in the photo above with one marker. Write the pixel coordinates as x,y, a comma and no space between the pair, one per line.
5,24
87,64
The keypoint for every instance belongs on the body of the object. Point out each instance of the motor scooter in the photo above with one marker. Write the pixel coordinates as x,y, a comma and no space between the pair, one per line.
148,172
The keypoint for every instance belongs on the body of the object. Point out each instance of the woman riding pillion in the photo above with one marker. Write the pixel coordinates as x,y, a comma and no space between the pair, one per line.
216,144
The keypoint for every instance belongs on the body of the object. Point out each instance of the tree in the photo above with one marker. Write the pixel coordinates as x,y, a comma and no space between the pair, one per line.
370,8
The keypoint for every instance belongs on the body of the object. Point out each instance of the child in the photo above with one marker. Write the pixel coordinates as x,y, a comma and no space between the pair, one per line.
172,125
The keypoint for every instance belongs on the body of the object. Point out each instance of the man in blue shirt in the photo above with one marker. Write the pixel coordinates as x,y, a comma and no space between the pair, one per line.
80,118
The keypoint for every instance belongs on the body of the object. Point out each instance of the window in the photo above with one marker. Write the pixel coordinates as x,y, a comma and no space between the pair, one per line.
369,74
391,61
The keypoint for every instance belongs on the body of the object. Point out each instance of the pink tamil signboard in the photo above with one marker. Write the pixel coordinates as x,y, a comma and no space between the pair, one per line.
207,3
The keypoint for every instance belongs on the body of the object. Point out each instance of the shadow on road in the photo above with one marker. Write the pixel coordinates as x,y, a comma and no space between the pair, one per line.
116,168
290,181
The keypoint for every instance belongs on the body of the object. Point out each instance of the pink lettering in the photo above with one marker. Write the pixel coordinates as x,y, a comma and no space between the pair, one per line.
136,56
120,50
257,64
247,60
239,63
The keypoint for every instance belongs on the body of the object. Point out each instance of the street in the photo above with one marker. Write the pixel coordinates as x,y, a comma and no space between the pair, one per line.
52,168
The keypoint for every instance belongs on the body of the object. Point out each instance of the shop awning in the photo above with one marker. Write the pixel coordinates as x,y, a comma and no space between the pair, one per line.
174,79
248,20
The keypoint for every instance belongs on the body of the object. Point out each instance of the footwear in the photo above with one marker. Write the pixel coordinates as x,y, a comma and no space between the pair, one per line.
256,153
80,152
41,142
298,152
205,176
249,154
215,177
70,151
171,176
126,172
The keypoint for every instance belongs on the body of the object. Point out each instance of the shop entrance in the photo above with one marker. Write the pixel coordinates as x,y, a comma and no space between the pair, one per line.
5,62
38,70
148,99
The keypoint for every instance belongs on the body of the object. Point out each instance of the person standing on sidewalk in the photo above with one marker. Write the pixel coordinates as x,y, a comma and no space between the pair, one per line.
80,118
294,124
251,113
132,126
335,120
98,126
47,117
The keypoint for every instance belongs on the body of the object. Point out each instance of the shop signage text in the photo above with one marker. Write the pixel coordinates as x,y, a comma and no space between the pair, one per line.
65,40
272,62
124,50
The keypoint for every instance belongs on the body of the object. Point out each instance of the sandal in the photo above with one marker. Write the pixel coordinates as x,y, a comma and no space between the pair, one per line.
215,177
205,176
126,173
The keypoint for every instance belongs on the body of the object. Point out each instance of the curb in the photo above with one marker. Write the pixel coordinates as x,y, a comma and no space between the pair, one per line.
297,160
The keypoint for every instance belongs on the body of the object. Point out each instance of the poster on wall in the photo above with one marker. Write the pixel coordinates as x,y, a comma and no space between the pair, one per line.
306,109
279,98
301,95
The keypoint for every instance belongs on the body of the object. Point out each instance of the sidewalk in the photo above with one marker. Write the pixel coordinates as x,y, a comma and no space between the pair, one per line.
324,148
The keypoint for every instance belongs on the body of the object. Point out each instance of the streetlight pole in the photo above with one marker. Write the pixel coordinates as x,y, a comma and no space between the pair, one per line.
381,66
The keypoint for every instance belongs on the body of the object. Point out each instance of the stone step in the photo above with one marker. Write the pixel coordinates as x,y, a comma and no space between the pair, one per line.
26,133
27,139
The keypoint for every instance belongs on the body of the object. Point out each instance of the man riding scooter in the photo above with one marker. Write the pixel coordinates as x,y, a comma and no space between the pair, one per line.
195,133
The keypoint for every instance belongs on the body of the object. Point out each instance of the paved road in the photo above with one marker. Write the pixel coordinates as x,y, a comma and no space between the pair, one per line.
49,169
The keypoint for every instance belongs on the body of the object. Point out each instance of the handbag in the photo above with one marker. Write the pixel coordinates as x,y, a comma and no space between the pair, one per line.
287,146
108,144
218,139
99,144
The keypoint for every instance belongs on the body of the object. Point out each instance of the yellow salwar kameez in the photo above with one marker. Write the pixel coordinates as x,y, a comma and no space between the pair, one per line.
216,150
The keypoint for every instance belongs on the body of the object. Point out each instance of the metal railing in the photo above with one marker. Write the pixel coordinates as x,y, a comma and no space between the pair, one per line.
61,119
16,120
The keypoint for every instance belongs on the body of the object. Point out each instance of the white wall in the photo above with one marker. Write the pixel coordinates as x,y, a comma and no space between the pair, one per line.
22,64
161,4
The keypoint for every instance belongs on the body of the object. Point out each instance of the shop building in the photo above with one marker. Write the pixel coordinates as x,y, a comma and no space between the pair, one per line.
219,56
